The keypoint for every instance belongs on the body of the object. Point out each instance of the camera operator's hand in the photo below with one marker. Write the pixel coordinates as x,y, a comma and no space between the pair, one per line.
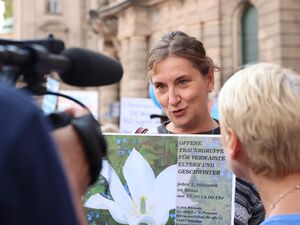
75,162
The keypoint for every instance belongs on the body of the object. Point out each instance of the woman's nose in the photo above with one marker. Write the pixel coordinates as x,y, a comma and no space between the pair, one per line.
174,97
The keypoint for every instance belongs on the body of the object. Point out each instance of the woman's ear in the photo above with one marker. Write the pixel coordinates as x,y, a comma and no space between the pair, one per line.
210,80
234,144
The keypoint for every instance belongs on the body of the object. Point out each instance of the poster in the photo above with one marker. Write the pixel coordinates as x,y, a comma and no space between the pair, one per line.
88,98
162,179
135,112
50,101
6,16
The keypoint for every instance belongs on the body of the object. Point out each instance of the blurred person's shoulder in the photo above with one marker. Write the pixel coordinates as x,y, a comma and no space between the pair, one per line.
12,99
18,112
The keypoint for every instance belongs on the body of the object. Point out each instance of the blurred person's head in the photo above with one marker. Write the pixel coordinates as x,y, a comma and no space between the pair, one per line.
183,76
260,121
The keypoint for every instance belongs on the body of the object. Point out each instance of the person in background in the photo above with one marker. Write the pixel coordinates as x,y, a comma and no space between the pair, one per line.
260,123
183,77
42,178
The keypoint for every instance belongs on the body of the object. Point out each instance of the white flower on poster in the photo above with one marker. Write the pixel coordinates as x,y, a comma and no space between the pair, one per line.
150,198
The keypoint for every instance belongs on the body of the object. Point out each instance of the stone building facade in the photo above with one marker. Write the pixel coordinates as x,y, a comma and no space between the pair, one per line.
219,24
34,19
234,32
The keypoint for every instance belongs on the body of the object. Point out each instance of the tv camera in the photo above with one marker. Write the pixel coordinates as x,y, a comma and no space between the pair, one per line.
33,60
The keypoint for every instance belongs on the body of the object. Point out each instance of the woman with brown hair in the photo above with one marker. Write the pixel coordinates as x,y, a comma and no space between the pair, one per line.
183,76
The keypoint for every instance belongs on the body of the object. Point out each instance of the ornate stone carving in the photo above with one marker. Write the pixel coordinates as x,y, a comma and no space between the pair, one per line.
106,27
102,2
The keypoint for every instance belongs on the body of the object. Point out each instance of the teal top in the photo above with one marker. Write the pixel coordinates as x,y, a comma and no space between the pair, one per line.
287,219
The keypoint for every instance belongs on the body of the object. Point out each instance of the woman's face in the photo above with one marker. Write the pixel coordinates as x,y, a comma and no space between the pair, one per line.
182,92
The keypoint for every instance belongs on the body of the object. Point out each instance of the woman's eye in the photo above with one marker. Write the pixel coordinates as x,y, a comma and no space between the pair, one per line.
183,82
159,86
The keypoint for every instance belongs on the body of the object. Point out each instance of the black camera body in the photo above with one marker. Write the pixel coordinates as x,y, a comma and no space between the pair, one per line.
33,60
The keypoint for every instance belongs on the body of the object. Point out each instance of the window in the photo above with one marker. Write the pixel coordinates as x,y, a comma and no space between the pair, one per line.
249,35
6,20
53,6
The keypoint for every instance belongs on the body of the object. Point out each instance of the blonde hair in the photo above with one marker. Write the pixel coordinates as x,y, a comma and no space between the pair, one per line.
261,103
178,43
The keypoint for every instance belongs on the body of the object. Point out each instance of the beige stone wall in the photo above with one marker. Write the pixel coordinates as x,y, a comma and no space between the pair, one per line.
269,31
279,33
32,21
132,33
217,22
290,33
71,25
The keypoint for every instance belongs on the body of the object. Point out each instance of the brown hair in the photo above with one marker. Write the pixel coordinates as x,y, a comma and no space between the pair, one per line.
178,43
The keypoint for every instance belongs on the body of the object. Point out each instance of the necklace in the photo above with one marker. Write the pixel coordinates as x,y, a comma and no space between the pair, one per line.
282,196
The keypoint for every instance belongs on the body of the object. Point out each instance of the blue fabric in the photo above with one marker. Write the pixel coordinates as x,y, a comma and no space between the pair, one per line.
33,189
152,95
214,112
291,219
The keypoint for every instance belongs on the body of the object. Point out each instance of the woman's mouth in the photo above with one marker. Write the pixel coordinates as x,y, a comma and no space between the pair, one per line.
178,112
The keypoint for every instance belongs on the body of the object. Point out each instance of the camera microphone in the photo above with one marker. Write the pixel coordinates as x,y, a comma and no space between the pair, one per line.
75,66
88,68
